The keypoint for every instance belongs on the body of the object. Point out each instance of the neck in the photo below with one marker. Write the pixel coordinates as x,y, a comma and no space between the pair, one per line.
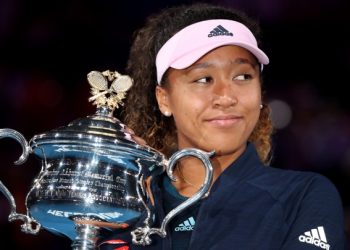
190,173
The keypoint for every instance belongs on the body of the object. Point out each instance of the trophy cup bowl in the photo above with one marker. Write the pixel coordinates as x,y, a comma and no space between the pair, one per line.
93,174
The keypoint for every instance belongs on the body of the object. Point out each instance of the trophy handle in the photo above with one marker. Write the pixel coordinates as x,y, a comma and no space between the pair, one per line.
140,236
27,227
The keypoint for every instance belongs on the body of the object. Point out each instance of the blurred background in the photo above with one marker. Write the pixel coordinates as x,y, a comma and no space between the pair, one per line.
48,47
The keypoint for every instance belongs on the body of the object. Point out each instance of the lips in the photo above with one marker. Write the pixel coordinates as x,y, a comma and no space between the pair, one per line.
225,120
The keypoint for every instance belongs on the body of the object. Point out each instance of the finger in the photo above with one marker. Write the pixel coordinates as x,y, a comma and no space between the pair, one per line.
129,130
139,140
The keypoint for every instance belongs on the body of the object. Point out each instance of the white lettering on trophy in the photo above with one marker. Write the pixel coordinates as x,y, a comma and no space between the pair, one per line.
76,194
92,175
87,179
105,216
120,180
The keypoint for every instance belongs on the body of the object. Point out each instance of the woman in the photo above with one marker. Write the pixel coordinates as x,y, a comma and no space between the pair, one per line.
197,83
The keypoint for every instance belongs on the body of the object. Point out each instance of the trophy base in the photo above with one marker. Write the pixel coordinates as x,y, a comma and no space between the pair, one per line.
88,230
87,235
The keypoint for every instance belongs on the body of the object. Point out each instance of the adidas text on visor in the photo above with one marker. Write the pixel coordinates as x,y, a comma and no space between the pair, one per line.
195,40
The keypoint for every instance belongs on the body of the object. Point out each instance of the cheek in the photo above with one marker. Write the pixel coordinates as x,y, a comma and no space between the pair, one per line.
251,99
252,106
186,103
187,111
255,118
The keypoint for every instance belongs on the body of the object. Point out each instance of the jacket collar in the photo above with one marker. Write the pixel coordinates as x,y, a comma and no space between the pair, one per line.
244,167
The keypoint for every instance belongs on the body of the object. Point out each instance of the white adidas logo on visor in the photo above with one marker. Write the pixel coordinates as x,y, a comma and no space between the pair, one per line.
315,237
187,225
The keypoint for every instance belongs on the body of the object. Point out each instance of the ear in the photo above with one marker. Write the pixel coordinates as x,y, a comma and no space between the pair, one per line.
163,100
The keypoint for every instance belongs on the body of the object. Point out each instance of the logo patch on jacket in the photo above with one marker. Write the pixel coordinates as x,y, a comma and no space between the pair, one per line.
187,225
316,237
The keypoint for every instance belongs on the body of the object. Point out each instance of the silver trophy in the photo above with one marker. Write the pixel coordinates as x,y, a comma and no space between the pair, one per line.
94,175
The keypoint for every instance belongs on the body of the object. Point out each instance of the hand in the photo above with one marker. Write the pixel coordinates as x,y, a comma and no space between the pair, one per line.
136,138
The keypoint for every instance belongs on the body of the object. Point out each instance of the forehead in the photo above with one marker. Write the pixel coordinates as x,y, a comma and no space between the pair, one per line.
218,58
228,54
225,58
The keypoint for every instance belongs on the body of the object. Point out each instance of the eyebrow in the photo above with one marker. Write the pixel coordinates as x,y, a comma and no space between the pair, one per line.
241,60
200,65
237,61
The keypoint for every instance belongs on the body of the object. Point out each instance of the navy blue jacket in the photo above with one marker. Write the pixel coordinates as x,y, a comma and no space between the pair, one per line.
252,206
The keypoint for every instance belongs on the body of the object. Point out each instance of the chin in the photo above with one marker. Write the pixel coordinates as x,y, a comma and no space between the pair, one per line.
228,149
218,150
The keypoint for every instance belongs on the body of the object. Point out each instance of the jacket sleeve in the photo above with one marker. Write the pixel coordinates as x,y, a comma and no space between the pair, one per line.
319,223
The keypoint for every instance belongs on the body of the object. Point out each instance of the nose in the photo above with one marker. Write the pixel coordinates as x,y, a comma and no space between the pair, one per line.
224,94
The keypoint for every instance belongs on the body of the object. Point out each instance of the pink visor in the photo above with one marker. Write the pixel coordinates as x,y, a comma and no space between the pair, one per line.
194,41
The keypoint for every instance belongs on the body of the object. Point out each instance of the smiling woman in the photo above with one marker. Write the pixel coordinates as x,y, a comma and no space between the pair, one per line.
221,98
197,73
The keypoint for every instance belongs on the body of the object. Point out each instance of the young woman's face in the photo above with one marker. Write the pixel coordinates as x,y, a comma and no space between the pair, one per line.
216,101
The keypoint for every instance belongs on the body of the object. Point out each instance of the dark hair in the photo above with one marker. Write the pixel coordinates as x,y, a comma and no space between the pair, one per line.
141,111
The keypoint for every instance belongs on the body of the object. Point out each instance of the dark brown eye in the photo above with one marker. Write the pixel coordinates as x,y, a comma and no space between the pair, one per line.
243,77
206,79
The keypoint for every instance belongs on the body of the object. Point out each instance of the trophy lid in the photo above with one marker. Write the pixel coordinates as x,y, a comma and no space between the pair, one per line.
101,133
